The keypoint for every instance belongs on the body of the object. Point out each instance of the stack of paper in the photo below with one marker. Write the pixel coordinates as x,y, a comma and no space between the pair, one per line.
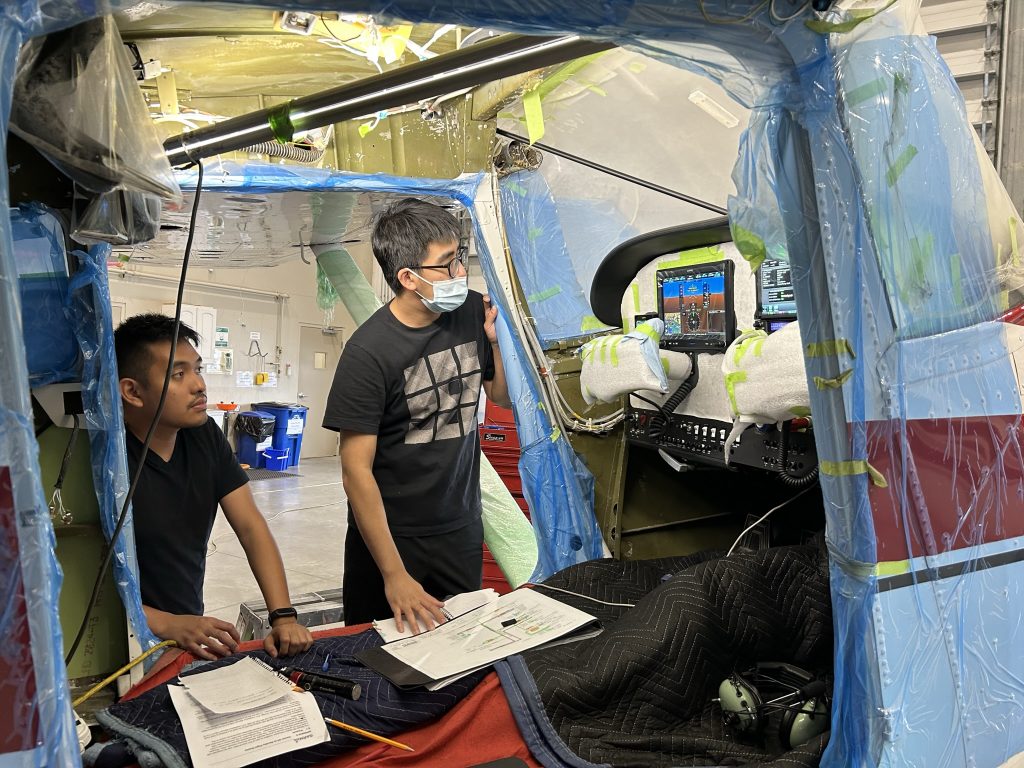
513,623
242,713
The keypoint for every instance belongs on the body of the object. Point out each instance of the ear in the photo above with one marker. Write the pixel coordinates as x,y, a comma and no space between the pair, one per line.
131,392
408,280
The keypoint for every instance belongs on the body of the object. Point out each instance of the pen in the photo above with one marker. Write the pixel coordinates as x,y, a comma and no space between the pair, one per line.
368,735
327,662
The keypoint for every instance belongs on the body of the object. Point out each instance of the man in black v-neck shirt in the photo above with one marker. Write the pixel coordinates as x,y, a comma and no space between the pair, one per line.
188,471
405,399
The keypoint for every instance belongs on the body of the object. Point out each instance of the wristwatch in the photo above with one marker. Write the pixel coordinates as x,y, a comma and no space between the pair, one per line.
281,613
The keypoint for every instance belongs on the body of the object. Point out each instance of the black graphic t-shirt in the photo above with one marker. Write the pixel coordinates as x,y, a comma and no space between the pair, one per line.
418,390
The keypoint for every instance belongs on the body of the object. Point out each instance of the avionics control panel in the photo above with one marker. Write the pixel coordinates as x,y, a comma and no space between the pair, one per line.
702,441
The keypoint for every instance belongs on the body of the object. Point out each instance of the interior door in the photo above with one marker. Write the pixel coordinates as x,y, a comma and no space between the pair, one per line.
319,351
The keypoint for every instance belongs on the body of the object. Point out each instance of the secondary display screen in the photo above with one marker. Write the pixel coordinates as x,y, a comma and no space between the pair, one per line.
776,298
695,302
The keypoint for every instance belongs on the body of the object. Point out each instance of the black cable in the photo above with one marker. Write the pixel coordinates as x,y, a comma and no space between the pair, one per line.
785,475
659,425
109,551
617,174
331,32
67,454
651,402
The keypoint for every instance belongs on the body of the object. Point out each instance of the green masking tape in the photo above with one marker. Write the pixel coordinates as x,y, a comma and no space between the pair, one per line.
280,121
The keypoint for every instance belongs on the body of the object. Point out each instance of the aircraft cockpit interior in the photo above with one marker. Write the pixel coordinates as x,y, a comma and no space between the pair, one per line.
710,369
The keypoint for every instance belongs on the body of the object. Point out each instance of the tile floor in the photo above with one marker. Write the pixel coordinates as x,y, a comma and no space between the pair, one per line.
306,514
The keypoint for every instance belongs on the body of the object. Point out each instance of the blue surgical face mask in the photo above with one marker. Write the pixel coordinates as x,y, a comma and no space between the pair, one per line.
448,294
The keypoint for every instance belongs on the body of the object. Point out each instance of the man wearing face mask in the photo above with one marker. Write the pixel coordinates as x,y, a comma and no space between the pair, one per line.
405,399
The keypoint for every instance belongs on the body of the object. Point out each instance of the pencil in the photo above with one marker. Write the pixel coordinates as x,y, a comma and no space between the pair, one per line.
369,735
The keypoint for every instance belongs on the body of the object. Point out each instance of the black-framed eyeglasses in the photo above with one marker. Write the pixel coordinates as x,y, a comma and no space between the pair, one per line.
452,267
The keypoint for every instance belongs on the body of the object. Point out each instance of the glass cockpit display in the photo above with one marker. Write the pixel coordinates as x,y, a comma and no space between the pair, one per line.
776,297
696,304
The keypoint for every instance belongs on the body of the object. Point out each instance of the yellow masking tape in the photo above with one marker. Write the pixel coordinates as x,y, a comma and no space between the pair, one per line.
649,332
828,348
855,467
614,350
744,346
534,116
853,19
892,568
731,380
555,434
636,297
835,383
590,323
900,165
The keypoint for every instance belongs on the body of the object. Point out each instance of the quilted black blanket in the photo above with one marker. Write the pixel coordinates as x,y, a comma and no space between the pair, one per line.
150,723
640,694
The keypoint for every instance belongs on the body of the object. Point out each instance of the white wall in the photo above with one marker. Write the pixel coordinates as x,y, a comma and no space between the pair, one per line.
241,313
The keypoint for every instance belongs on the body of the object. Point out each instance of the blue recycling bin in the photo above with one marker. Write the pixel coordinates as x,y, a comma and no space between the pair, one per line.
288,429
255,434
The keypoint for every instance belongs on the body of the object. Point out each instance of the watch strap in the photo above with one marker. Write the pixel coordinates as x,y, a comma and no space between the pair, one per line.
282,613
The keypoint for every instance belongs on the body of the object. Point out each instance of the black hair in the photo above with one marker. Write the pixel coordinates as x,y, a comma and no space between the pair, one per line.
133,337
403,231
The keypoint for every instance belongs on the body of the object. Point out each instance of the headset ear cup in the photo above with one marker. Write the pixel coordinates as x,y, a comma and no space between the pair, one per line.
741,704
803,722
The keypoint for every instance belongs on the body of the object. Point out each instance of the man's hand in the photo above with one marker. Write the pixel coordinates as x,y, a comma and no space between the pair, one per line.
490,314
203,636
410,601
286,638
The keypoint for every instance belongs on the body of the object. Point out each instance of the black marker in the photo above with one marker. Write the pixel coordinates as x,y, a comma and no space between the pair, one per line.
311,681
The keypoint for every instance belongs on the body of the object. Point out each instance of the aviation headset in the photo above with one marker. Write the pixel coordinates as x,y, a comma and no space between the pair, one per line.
750,700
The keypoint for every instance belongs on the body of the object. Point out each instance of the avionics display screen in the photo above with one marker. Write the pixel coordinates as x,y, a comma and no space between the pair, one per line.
776,298
695,302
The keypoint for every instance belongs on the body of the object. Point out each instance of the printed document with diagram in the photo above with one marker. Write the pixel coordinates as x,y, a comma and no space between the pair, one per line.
515,622
243,713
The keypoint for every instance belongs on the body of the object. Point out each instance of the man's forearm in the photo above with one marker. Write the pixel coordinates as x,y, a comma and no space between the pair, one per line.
499,385
266,564
368,510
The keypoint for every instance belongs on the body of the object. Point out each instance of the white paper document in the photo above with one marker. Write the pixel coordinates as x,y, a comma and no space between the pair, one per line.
514,623
246,684
455,606
281,722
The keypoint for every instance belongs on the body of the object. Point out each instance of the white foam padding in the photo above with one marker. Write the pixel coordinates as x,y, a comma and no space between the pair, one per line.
616,365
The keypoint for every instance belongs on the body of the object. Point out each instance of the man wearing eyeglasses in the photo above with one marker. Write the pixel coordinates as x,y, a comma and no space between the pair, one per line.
405,399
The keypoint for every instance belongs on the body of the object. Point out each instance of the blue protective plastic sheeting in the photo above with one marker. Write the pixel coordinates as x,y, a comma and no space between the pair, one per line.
558,487
39,730
104,419
545,271
50,348
263,178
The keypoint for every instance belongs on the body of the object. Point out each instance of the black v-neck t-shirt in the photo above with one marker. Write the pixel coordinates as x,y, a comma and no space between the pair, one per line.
173,510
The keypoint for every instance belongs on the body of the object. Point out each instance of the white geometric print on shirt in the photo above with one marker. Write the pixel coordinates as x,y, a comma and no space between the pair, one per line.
443,391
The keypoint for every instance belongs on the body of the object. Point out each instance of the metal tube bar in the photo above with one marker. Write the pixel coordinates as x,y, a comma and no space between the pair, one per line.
489,60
